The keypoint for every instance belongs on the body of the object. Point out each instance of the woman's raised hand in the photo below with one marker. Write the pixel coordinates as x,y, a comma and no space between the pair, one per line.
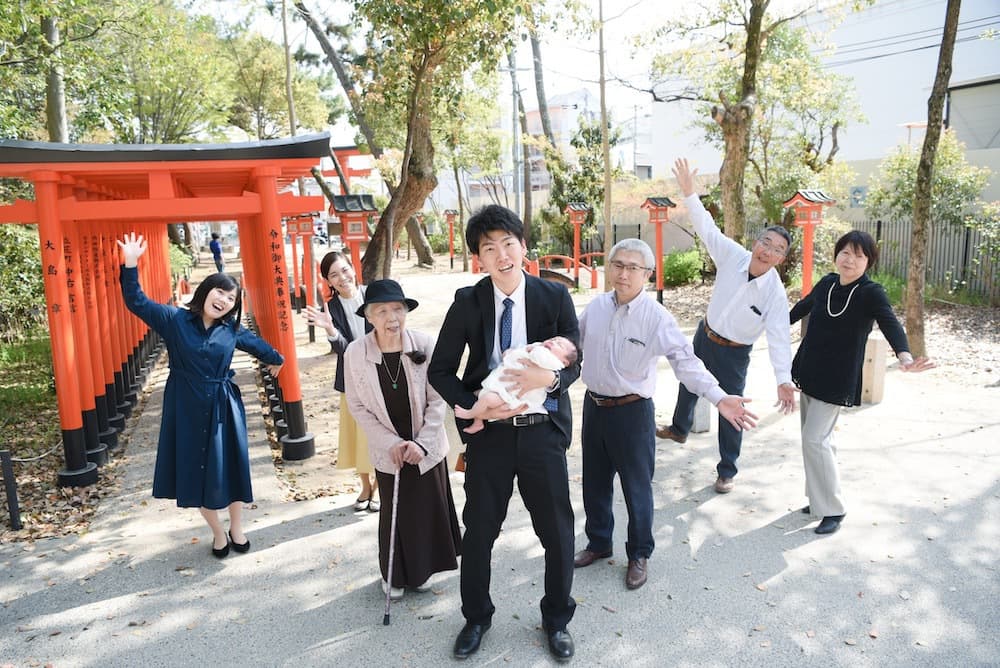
133,246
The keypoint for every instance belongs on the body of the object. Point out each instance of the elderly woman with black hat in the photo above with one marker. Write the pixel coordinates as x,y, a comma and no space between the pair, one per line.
403,419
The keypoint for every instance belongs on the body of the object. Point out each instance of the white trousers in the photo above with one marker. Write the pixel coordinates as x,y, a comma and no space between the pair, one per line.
819,456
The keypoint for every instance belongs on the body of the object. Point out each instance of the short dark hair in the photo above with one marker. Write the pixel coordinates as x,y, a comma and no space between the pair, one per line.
227,283
781,232
575,354
215,235
488,219
863,242
329,259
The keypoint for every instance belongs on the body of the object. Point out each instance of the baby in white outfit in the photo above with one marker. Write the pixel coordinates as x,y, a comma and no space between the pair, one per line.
552,354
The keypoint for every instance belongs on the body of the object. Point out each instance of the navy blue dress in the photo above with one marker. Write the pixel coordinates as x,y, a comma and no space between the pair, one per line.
201,458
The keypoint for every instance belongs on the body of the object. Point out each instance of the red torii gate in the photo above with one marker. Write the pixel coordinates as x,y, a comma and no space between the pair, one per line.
87,197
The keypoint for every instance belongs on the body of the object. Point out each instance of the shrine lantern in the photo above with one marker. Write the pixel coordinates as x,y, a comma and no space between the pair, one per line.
659,213
577,212
450,215
354,212
808,206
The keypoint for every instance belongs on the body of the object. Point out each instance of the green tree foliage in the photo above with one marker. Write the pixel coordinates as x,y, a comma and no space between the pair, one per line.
259,105
579,182
768,103
955,191
22,294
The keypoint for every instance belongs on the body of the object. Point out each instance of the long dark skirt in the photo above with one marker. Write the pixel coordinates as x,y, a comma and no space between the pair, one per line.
428,539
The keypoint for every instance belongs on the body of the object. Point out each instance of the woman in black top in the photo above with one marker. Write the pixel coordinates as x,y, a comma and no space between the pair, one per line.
842,308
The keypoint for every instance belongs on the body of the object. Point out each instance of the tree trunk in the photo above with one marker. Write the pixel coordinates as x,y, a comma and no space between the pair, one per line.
543,103
425,255
925,176
461,217
417,180
525,170
735,120
605,147
55,88
343,76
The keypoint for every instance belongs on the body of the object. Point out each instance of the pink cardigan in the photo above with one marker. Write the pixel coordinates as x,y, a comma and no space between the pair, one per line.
367,405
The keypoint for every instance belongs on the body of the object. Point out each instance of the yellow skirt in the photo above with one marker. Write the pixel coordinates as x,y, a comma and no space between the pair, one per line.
352,446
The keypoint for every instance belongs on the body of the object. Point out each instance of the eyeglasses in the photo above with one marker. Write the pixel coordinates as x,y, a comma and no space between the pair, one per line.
630,268
769,247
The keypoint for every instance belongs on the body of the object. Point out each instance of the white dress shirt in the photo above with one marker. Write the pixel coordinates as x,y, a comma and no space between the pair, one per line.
621,346
518,330
740,309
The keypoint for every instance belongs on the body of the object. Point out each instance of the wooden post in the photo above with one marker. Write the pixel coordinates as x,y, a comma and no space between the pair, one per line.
873,369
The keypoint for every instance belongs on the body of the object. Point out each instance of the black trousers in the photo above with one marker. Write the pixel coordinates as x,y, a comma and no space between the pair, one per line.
536,456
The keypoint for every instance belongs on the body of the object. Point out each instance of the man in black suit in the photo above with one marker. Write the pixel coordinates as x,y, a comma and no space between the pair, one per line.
509,309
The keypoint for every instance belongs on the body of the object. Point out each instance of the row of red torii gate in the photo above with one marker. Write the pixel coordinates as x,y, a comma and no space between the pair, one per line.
88,196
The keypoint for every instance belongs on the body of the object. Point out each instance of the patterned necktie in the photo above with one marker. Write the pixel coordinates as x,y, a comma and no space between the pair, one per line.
506,323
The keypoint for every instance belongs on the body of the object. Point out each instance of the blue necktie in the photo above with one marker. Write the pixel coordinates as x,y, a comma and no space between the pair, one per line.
506,323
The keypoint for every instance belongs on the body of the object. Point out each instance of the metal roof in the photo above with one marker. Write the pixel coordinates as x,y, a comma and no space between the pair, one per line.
659,202
354,203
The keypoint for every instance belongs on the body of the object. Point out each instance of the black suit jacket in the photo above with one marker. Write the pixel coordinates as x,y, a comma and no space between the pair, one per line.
471,321
339,318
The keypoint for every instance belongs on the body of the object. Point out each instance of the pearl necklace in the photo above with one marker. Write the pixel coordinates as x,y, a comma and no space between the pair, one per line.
846,304
399,368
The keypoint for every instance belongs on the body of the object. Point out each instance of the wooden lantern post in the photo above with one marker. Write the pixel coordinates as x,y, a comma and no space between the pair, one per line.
450,215
659,214
808,214
577,212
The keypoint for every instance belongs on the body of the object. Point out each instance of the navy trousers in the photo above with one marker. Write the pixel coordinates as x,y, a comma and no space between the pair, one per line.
619,440
729,366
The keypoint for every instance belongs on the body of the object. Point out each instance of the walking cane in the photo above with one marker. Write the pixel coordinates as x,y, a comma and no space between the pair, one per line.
392,547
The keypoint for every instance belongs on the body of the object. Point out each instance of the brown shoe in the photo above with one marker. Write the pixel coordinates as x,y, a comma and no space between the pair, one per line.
667,431
586,558
635,576
723,485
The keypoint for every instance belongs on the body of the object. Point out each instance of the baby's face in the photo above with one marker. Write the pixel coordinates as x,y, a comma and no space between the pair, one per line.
561,347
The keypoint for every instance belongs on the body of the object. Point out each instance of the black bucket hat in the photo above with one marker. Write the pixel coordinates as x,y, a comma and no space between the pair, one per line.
384,290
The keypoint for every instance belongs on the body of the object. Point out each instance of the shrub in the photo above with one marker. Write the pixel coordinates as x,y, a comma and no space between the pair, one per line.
681,268
22,292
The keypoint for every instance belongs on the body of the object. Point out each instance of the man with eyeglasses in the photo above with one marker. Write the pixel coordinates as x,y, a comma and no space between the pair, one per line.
624,333
747,301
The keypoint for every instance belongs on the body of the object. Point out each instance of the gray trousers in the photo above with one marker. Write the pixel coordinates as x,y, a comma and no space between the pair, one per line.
819,455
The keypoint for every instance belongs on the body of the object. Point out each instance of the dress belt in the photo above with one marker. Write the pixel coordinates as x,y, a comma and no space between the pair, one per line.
606,402
717,338
528,420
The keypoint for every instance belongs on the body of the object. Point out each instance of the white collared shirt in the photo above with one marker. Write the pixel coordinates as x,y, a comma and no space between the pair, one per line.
519,326
622,344
740,309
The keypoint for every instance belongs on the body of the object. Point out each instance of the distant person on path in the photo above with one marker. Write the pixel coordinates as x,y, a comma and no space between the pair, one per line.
553,354
624,334
748,300
216,249
827,368
343,325
388,394
201,458
508,309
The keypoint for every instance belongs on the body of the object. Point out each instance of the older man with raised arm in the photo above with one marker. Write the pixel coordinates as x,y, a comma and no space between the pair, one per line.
748,300
624,333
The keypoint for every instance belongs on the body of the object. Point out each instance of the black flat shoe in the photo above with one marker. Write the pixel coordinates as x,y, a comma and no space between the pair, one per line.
469,638
242,548
221,552
830,524
561,645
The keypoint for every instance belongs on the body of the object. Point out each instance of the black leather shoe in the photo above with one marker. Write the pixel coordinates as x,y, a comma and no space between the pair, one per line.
561,645
467,642
221,552
585,558
239,547
830,524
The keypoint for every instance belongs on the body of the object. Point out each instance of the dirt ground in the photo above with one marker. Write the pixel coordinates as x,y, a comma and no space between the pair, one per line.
964,341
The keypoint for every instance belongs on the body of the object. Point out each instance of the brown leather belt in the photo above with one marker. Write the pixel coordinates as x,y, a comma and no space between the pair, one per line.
715,337
607,402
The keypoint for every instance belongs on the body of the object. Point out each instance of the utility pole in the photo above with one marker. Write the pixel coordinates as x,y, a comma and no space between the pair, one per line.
605,148
515,126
